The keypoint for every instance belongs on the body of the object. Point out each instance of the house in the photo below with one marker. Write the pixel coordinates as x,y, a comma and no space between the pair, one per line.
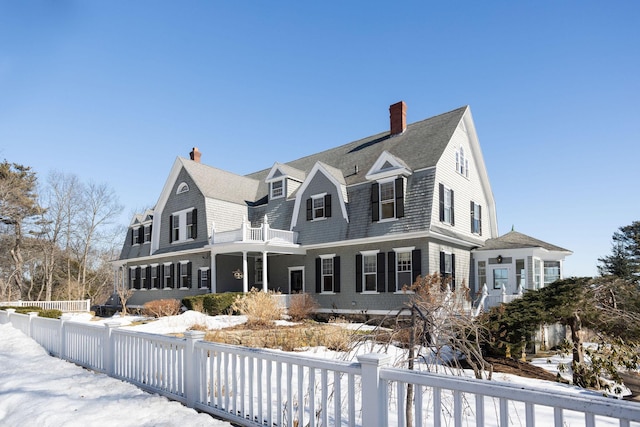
509,265
353,225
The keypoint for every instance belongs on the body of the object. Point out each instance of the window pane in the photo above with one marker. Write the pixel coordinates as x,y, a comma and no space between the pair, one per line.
318,207
500,278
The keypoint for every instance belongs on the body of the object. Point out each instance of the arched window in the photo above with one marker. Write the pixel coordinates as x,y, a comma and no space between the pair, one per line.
462,163
182,188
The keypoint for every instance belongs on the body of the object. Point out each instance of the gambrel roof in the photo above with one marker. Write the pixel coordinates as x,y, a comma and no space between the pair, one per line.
420,146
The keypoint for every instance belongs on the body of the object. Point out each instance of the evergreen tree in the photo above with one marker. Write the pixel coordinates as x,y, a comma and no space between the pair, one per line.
624,261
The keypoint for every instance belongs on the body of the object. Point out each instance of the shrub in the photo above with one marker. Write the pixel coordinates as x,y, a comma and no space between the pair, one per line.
260,308
301,307
51,314
161,308
211,304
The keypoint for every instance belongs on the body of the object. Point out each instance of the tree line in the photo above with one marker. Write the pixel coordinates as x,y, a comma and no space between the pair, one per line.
56,237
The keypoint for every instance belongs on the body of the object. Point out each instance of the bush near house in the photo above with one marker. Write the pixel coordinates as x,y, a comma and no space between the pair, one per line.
260,308
162,307
211,304
301,307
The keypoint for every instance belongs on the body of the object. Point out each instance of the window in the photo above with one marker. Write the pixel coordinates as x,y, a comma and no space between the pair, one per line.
551,272
448,269
482,274
132,278
318,207
143,277
203,278
387,199
184,274
403,270
446,205
155,269
370,272
277,189
500,278
327,274
462,163
182,188
183,225
537,274
135,236
147,233
167,281
476,218
258,270
520,275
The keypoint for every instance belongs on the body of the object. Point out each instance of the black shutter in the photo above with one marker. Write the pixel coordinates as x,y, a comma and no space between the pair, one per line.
200,278
318,275
141,235
309,209
138,277
132,231
148,274
399,197
391,271
170,228
380,272
442,264
453,272
172,275
473,208
358,273
161,276
375,202
441,197
189,274
327,205
336,274
150,231
416,263
194,226
452,205
480,219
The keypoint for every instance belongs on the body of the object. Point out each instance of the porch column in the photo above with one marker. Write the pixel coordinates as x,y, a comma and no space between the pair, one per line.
265,286
213,275
245,273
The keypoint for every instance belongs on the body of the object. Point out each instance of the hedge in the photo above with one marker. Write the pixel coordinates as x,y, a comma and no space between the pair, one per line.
211,304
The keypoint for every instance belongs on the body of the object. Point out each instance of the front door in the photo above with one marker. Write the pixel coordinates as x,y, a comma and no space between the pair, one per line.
296,280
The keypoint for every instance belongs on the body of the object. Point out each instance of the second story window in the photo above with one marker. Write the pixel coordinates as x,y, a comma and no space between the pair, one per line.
387,199
147,233
476,218
135,236
318,207
277,189
183,225
446,205
462,163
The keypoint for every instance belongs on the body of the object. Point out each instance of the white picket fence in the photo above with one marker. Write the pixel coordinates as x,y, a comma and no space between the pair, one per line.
64,306
255,387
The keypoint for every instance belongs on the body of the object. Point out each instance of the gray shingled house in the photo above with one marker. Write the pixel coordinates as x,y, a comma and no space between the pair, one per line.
351,225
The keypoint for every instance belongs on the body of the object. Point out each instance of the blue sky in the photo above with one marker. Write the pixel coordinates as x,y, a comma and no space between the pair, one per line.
114,91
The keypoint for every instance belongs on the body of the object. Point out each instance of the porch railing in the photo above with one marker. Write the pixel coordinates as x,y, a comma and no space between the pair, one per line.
246,233
255,387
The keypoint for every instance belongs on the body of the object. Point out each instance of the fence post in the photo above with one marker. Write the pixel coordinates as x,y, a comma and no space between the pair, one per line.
63,336
88,306
191,367
31,315
10,312
108,348
373,407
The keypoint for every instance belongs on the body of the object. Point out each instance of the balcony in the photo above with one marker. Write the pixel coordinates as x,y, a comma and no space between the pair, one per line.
248,234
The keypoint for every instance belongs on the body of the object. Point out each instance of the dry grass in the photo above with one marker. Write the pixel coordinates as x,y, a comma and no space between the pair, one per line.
286,338
260,308
301,307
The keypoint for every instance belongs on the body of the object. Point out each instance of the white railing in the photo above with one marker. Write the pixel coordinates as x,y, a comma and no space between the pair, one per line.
64,306
246,233
254,387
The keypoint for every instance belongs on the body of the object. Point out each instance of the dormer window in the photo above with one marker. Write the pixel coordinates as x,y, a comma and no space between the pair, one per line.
319,207
277,189
462,163
182,188
387,199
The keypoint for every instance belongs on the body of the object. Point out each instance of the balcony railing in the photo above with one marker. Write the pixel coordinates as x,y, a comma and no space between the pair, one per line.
249,234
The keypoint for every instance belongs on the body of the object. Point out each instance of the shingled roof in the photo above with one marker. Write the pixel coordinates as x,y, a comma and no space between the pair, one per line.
516,240
215,183
420,146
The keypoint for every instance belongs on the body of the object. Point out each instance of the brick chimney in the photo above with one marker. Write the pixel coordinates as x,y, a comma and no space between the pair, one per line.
398,117
195,154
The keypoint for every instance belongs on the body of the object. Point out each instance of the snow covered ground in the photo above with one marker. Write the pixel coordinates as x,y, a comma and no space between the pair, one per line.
36,389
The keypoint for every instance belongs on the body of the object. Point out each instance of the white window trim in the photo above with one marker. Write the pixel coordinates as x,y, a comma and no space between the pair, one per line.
182,262
447,190
403,250
271,195
391,180
182,225
364,275
313,209
202,269
333,275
